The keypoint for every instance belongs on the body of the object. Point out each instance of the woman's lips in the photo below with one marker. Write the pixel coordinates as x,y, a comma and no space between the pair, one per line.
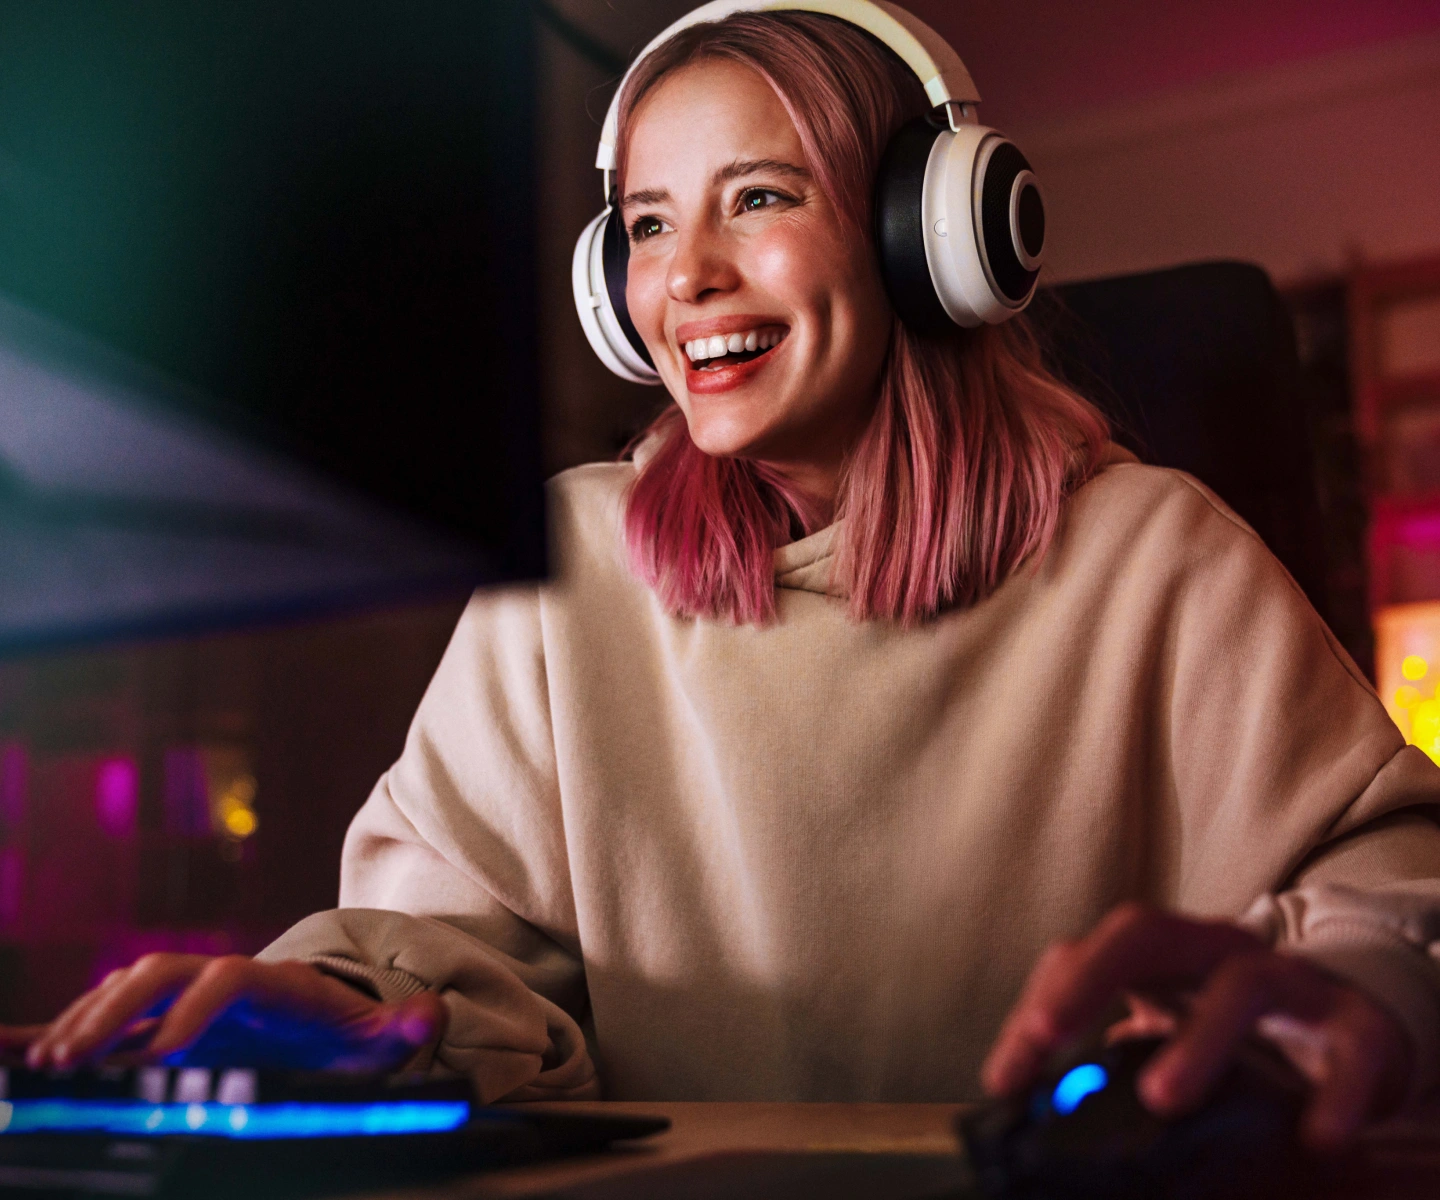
703,379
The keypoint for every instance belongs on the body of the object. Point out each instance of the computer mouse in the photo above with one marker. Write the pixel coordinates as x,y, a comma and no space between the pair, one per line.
1082,1133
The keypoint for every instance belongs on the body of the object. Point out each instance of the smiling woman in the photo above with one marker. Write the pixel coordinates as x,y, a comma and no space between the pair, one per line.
760,231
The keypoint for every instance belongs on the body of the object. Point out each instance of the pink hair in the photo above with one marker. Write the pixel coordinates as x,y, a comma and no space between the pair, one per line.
973,445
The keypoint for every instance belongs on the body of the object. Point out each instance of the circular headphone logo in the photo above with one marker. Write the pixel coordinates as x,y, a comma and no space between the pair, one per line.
959,219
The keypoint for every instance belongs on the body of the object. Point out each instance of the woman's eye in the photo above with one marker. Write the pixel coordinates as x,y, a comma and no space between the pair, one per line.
645,227
754,199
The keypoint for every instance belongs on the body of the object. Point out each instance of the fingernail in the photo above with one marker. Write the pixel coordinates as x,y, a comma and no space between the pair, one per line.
62,1055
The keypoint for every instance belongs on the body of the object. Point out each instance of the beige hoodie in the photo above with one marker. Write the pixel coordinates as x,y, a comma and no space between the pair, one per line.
816,860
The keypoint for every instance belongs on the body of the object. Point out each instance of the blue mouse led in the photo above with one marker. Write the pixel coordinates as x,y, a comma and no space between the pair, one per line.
1082,1133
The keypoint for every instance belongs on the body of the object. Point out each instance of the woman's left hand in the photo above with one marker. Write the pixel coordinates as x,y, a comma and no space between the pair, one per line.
1357,1055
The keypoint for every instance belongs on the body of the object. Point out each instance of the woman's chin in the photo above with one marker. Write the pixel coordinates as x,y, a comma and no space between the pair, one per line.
723,439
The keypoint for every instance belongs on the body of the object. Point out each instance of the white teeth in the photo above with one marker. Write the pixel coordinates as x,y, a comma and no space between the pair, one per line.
718,346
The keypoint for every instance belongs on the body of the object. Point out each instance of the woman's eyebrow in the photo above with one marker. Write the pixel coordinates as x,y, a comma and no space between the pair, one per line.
734,170
646,196
756,166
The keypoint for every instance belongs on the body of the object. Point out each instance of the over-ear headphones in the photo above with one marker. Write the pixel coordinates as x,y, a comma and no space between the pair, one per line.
959,222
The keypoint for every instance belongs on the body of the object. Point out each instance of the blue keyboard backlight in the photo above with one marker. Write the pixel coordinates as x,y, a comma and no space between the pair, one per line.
132,1119
1076,1084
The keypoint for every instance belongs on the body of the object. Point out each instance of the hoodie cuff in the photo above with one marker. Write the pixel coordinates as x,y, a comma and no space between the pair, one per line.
385,985
1402,980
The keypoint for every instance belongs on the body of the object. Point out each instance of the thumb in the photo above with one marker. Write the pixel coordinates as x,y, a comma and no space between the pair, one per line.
393,1035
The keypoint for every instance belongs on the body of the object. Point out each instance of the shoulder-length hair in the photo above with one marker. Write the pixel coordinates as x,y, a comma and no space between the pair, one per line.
973,445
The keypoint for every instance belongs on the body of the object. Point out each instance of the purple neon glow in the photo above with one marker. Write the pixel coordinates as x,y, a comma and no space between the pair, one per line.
1416,528
12,787
12,885
117,796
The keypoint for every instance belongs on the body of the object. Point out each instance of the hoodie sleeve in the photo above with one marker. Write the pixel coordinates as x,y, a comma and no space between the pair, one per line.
1368,910
1290,778
455,875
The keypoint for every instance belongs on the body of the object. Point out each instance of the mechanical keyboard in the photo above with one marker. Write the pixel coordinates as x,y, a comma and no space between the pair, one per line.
174,1132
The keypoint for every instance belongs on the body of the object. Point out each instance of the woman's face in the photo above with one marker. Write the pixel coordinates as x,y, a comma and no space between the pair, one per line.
767,323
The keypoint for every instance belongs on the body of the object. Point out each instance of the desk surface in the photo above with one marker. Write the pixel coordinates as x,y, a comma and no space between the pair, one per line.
925,1132
899,1151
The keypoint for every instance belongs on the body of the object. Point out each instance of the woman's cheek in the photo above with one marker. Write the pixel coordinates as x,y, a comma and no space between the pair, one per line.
784,262
645,298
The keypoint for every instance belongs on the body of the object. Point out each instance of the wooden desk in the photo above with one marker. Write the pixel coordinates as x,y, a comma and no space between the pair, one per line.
910,1149
923,1133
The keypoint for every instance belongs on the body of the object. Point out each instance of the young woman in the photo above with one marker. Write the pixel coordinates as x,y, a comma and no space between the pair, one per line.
875,672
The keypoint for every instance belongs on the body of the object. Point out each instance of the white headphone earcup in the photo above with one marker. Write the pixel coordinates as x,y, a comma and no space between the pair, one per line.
959,224
602,326
974,181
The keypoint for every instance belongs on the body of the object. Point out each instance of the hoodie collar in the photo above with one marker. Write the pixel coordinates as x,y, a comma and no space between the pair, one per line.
805,566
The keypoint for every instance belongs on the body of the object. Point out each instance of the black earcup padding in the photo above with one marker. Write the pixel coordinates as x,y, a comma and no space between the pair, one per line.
615,253
900,228
1010,276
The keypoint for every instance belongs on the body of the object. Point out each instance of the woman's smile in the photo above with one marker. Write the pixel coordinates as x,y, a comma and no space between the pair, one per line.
724,352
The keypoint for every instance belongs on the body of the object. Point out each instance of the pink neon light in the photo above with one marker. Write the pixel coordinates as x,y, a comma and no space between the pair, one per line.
117,796
12,884
12,788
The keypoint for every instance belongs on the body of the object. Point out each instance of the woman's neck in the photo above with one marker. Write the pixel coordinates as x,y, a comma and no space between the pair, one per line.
816,485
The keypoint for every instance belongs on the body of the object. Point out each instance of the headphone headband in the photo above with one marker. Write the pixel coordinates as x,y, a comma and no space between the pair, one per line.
925,52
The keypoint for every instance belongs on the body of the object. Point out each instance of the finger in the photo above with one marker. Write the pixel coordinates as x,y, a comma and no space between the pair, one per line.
1131,948
1238,993
151,981
1025,1033
130,1049
396,1033
294,987
59,1029
219,984
1368,1064
1146,1019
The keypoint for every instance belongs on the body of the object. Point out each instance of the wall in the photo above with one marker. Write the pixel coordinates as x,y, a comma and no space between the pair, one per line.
1304,168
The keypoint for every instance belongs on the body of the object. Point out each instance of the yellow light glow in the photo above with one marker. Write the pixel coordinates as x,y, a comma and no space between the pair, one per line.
240,822
1425,725
1407,641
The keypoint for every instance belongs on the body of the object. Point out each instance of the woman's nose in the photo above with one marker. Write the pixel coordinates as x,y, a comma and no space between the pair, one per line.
702,265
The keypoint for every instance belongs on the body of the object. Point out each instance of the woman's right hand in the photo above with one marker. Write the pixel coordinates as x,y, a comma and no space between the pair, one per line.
234,1011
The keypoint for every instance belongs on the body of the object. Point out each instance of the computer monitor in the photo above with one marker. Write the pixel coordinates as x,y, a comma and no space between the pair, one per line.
267,309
